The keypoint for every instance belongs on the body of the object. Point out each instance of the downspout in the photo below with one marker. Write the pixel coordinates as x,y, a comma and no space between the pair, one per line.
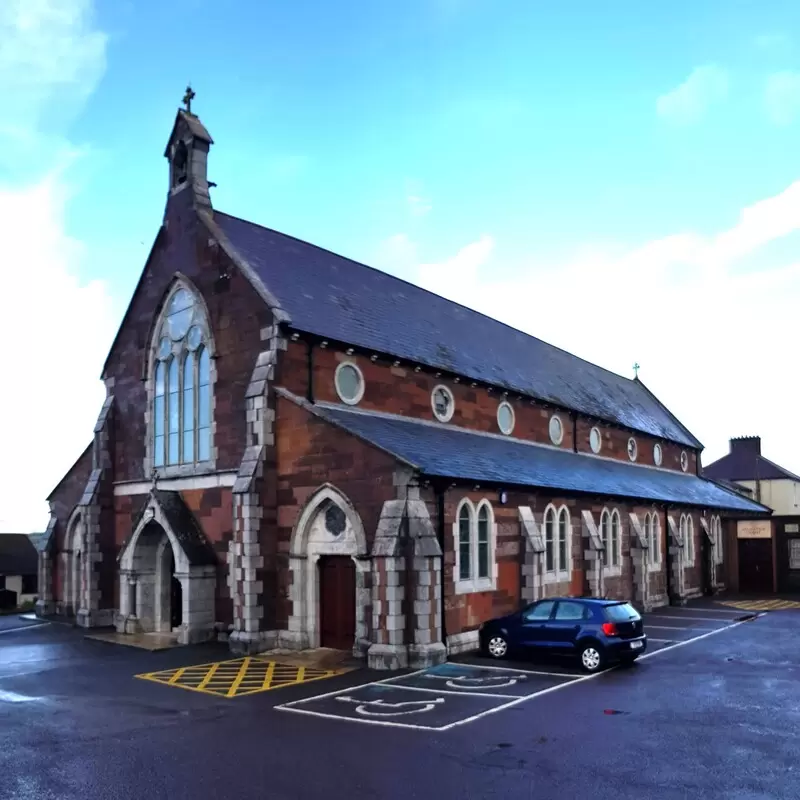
439,492
310,368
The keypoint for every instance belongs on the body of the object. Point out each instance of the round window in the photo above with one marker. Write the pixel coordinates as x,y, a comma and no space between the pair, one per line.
349,383
684,461
556,429
633,450
657,454
505,417
442,403
595,440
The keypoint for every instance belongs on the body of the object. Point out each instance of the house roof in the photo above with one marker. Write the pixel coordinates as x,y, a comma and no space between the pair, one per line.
446,451
18,555
339,299
747,465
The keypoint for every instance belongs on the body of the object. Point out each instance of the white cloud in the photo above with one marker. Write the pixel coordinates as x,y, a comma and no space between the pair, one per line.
716,344
782,97
54,329
688,103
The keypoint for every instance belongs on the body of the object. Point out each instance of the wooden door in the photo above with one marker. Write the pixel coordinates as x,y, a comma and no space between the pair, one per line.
337,602
755,565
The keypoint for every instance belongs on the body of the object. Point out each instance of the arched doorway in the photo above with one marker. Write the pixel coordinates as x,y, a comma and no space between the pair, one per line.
328,566
157,603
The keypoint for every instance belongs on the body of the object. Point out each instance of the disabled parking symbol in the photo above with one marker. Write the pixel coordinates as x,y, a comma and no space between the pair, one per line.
484,682
380,708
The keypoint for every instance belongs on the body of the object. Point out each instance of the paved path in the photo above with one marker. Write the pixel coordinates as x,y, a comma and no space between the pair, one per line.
715,718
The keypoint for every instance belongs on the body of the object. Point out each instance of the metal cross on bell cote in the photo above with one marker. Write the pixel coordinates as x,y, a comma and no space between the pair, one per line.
187,99
636,369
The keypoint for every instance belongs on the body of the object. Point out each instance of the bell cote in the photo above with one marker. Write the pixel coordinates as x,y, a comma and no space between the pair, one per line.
187,154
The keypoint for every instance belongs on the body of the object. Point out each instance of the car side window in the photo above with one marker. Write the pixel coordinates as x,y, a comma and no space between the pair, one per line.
569,612
540,611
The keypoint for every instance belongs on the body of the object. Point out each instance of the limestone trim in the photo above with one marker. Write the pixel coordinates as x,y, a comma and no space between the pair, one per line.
533,555
475,582
145,582
210,481
310,541
593,555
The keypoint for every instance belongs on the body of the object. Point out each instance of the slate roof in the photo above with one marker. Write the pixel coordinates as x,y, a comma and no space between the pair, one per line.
18,554
747,465
339,299
450,452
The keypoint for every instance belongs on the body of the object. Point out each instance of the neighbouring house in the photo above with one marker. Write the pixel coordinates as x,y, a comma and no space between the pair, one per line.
765,554
19,561
298,450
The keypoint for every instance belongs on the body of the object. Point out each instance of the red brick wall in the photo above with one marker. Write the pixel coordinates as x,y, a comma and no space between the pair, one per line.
310,453
401,390
68,493
237,314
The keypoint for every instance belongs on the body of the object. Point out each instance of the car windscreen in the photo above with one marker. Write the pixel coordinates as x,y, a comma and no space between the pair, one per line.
621,612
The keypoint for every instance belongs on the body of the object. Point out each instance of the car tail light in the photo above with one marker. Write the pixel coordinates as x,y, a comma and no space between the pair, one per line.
609,629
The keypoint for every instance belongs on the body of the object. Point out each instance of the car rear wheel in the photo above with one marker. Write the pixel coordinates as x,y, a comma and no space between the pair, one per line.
592,658
497,647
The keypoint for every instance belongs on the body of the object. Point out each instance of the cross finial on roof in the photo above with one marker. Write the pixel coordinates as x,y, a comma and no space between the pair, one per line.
636,369
188,97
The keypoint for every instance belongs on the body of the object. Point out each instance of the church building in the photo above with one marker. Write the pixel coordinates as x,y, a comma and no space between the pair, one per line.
297,450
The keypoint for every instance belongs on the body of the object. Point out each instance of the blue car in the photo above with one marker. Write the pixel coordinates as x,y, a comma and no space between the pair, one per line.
595,631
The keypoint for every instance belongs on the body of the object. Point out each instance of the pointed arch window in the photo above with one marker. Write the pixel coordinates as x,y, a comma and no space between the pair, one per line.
716,539
687,534
475,545
557,556
653,530
181,380
611,531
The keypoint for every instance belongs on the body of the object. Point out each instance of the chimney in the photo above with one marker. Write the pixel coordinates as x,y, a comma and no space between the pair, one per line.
747,444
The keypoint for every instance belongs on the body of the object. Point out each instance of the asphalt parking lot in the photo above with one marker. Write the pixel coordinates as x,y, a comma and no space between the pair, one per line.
710,711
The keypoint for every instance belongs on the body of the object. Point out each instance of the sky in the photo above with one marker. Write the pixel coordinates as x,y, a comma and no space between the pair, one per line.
619,179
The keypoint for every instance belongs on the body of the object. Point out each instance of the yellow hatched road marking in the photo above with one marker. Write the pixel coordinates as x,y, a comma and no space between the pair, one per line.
239,676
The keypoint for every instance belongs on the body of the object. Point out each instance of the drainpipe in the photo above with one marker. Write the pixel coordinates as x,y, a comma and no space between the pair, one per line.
439,492
310,366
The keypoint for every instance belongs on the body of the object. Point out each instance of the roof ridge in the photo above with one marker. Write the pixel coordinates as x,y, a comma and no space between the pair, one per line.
787,472
427,291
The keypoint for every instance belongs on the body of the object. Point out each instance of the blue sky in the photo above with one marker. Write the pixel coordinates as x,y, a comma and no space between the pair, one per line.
618,179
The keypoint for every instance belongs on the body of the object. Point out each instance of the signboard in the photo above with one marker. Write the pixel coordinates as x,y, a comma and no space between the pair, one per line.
791,527
754,529
794,554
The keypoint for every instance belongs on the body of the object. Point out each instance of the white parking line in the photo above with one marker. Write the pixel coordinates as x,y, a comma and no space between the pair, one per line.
679,628
702,619
651,639
693,639
25,628
685,610
465,693
525,671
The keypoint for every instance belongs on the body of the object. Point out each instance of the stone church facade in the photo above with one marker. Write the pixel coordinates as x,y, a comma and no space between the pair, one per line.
297,450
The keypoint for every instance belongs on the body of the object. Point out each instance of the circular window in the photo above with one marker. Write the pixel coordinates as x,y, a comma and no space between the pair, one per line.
556,429
657,454
595,440
633,450
442,403
684,461
349,383
505,417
